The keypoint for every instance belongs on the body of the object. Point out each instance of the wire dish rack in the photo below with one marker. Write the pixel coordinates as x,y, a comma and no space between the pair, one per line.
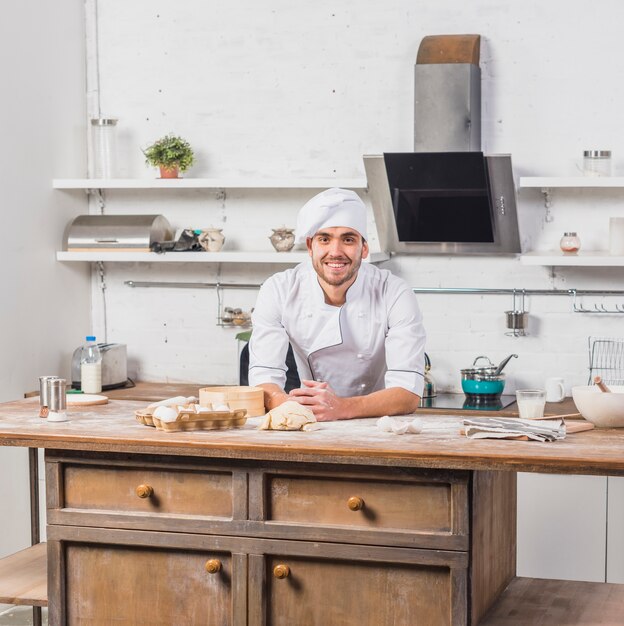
606,359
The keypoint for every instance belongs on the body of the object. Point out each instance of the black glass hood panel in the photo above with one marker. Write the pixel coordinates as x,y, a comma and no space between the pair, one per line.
444,202
440,197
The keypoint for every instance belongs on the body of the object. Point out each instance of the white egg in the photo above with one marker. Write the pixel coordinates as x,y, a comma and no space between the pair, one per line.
166,414
415,426
385,423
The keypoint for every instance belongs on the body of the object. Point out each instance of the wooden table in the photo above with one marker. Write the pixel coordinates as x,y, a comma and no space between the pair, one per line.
346,523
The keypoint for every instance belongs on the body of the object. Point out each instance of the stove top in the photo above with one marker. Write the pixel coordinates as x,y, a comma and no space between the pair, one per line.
465,402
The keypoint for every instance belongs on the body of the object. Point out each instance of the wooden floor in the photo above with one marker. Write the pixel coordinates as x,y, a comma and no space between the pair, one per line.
540,602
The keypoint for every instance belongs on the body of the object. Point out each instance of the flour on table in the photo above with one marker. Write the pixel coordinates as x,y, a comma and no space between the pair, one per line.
289,416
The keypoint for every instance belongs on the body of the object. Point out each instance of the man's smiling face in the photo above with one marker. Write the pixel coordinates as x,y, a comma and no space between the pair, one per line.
337,254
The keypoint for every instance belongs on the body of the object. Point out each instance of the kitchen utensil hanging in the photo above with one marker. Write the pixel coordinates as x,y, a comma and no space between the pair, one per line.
517,319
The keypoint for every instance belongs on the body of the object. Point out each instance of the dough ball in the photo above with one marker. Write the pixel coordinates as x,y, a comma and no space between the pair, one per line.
287,416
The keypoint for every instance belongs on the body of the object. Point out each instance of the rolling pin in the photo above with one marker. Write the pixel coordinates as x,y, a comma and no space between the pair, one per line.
601,385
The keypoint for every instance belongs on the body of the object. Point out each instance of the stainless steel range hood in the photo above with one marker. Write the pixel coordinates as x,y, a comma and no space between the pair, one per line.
445,197
443,202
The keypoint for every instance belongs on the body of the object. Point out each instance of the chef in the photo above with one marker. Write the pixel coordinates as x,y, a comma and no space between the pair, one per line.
356,330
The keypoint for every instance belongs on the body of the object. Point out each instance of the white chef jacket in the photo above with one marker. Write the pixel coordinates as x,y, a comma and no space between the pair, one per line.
375,340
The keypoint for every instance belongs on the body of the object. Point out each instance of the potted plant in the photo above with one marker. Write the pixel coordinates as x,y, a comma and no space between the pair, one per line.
171,154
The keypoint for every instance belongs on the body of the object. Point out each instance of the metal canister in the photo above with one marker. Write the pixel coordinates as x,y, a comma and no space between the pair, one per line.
57,399
44,394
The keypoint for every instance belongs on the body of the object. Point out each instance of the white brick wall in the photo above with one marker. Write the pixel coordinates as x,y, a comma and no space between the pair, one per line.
262,89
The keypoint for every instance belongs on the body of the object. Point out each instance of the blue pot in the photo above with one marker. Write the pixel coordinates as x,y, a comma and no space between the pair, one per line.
473,386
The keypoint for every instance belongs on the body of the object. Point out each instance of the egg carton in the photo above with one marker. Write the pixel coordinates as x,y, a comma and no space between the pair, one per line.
193,418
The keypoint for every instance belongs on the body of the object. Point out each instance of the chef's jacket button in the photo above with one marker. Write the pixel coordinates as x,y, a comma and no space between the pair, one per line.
361,314
363,386
360,355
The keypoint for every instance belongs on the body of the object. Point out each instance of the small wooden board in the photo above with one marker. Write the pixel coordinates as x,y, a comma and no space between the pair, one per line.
85,399
578,426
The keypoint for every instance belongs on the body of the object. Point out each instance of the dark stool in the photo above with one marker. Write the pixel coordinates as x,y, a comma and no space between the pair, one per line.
292,377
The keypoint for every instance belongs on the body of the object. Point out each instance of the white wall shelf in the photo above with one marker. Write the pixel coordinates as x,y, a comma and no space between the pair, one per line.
208,183
551,182
582,259
112,256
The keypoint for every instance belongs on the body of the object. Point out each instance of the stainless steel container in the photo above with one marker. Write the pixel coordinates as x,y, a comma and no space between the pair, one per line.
118,232
517,322
57,398
44,390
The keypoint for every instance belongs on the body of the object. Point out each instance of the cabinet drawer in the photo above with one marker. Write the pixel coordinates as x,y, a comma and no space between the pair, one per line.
405,505
147,490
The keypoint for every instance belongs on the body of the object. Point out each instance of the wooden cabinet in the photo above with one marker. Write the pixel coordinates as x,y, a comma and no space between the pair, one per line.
136,539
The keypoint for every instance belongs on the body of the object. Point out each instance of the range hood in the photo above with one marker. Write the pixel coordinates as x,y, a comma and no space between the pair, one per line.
443,202
445,197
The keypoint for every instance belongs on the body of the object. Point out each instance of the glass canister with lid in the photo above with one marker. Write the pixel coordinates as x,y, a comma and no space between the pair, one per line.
597,162
104,147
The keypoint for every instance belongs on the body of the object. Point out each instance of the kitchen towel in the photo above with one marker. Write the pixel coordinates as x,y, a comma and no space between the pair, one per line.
515,428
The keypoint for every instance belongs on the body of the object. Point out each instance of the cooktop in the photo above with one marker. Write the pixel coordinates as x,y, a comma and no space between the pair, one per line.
465,402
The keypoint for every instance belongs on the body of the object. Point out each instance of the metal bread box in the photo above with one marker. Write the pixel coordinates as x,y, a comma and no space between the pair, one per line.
135,233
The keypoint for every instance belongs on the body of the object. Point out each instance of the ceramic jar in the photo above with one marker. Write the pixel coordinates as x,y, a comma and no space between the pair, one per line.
211,239
283,239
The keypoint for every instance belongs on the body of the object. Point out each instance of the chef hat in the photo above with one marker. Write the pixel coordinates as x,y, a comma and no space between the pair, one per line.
332,207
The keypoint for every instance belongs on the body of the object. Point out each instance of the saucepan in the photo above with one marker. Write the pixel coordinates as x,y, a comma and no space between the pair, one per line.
484,380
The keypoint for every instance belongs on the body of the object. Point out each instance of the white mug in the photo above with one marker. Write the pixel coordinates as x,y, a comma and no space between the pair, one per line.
555,390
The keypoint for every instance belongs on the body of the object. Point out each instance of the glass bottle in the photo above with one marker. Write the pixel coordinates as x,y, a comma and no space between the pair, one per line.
91,367
104,147
570,243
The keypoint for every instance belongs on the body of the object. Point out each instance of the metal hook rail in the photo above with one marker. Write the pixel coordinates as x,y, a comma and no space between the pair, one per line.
577,307
218,286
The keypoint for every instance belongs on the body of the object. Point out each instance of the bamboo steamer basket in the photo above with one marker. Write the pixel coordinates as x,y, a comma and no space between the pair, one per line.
250,398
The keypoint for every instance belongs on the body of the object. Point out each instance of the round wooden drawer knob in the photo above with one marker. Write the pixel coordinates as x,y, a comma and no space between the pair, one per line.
355,503
144,491
213,566
281,571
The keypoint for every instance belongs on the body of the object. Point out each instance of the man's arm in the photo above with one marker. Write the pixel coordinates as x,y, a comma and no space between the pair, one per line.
326,405
274,395
268,345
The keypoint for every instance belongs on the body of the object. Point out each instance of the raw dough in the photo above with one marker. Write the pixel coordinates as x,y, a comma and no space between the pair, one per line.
289,416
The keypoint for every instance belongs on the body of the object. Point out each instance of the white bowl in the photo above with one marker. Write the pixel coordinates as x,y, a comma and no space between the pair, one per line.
605,410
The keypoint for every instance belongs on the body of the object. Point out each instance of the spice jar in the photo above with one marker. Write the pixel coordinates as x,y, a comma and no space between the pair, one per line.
570,243
597,162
